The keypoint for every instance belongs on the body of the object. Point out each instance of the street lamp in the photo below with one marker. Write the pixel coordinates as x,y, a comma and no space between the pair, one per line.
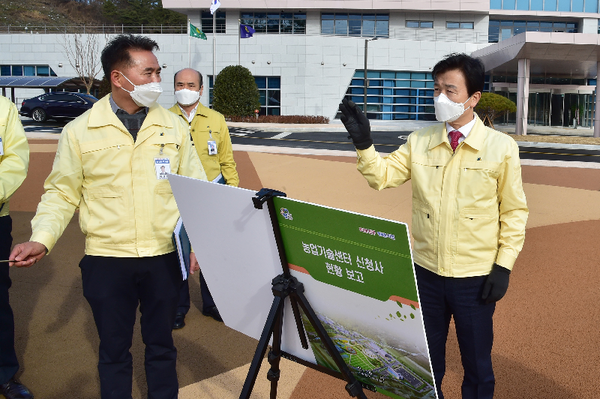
365,92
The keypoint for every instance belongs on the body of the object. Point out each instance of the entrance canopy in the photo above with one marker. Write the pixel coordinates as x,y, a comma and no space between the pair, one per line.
548,54
552,54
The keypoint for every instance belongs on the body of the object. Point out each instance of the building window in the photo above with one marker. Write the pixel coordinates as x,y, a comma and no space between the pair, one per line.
590,6
499,30
269,22
29,70
419,24
365,25
206,19
393,95
26,70
269,89
43,70
460,25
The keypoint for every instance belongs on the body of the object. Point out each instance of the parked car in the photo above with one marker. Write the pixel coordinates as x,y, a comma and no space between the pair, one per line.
56,105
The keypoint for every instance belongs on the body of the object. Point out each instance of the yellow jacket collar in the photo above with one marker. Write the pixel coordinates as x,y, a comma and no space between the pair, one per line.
102,114
474,138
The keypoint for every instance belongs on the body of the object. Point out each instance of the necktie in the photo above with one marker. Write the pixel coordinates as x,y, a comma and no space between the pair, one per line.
454,136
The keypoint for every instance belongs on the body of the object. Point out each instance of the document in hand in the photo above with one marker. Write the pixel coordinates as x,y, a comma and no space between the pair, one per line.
182,242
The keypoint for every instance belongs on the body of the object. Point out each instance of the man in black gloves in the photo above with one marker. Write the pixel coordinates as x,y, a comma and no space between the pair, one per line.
469,215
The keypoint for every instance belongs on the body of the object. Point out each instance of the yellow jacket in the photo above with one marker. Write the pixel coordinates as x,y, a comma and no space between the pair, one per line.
210,125
124,209
469,208
15,159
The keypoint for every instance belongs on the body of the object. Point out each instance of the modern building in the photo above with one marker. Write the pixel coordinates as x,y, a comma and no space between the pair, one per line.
307,55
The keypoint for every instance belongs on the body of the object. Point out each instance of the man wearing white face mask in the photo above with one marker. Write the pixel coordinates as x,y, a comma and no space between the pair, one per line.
111,164
210,137
469,215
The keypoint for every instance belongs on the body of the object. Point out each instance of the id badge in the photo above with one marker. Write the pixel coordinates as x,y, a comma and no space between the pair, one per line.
1,147
162,167
212,147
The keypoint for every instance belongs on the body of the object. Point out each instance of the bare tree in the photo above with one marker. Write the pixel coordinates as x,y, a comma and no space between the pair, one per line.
83,53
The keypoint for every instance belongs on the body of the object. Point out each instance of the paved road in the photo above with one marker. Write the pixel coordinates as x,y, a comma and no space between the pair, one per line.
386,142
389,141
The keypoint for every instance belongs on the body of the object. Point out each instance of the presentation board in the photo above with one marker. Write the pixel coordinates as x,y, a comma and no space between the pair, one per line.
356,269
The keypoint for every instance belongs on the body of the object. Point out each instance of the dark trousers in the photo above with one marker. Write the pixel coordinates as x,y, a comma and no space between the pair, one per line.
443,298
114,287
9,364
184,296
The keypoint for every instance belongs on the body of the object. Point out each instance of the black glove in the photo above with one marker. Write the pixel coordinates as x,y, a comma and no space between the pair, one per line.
356,124
496,284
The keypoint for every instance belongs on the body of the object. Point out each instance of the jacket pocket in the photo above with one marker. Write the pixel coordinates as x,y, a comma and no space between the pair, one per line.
164,212
423,229
105,216
478,234
479,181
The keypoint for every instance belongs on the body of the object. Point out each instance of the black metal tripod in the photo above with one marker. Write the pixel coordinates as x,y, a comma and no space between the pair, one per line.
286,286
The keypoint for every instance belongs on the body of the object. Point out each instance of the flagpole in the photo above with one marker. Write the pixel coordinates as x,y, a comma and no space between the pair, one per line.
239,40
214,47
189,44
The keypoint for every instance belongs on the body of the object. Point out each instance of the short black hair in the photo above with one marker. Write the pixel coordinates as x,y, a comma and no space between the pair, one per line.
117,50
198,72
471,68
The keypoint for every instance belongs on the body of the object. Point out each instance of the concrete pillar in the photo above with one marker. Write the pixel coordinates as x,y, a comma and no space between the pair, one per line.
597,113
522,96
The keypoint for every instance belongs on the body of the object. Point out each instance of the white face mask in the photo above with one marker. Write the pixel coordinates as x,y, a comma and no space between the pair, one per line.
447,110
144,95
187,97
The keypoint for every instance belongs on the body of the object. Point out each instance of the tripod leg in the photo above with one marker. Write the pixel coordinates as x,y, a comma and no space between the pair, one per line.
353,387
299,323
276,309
275,353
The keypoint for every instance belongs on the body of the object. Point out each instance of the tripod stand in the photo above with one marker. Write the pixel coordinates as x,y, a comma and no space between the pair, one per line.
287,286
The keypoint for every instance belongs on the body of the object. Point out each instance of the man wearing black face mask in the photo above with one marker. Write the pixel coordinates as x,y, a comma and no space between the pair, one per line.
469,215
112,163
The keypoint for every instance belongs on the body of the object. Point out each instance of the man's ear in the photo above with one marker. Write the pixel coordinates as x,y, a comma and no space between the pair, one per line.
201,90
115,78
475,98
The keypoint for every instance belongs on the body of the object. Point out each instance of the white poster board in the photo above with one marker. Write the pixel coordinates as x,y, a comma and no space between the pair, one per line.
236,250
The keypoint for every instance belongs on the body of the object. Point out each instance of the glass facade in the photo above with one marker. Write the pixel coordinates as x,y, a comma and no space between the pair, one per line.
269,88
276,23
364,25
499,30
207,22
26,70
590,6
394,95
547,109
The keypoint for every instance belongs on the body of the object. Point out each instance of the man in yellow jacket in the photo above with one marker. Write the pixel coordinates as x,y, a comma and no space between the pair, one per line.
14,160
210,137
109,165
469,215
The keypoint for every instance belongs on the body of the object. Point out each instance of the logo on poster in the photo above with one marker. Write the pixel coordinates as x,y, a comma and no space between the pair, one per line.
286,214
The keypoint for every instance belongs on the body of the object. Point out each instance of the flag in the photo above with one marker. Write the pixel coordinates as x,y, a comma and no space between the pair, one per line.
246,31
214,5
195,32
